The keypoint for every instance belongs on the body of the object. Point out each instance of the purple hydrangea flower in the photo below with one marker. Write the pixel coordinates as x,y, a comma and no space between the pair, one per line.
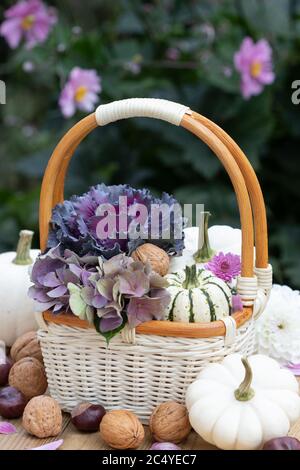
28,19
51,274
254,63
148,307
75,222
122,289
225,266
80,92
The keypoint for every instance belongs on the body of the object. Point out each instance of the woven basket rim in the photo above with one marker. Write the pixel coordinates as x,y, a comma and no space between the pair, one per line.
162,328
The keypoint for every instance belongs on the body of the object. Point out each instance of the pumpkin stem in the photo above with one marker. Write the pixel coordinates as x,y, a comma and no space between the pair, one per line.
23,249
245,392
191,279
204,253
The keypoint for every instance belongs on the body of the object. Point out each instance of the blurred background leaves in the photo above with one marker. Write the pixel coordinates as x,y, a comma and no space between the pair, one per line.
182,51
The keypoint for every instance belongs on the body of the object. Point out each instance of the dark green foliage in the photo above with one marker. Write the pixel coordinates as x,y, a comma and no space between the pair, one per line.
149,153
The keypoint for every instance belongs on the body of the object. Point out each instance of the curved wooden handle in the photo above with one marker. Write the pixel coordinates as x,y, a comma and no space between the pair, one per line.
253,186
252,183
52,186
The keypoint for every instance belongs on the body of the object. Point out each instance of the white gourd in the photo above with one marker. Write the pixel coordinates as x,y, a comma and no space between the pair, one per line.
215,239
239,404
197,296
17,309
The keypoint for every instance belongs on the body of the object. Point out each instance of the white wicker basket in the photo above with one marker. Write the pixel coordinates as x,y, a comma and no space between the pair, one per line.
140,369
137,377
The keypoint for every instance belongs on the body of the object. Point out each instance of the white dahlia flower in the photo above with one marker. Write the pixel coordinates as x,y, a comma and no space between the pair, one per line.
278,328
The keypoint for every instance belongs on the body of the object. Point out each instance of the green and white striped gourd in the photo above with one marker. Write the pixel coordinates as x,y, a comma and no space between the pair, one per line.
197,296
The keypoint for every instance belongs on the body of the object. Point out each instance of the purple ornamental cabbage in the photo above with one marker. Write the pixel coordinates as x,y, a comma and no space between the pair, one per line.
75,221
51,274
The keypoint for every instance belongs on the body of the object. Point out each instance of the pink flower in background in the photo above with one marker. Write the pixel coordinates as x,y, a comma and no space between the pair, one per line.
80,92
28,19
254,62
172,53
225,267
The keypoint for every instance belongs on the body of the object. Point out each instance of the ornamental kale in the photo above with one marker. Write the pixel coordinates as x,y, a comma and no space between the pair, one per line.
75,223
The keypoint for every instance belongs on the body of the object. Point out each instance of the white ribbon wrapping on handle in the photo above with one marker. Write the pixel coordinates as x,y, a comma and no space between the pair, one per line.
141,107
231,330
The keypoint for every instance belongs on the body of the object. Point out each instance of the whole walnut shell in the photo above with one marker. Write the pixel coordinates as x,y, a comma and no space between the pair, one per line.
26,345
28,376
169,422
42,417
121,429
156,257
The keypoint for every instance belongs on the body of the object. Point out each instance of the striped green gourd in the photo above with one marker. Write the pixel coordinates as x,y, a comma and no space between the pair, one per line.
197,296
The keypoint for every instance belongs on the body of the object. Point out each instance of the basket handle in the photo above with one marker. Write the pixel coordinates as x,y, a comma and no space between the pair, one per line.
52,186
253,186
141,107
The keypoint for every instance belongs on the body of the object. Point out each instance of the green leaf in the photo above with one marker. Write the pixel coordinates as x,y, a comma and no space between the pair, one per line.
253,126
268,16
129,23
214,74
201,159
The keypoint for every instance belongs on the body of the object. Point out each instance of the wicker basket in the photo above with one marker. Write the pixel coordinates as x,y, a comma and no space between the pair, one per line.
157,361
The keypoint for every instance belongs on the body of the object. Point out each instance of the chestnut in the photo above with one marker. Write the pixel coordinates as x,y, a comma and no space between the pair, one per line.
5,367
87,417
12,403
282,443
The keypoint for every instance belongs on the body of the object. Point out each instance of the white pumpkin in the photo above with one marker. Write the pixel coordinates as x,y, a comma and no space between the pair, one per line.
17,309
216,238
240,403
197,296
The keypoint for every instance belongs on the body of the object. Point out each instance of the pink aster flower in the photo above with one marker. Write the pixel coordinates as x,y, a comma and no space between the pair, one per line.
237,304
80,91
226,267
28,19
254,63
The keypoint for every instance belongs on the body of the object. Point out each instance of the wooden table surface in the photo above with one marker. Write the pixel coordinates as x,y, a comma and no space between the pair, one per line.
75,440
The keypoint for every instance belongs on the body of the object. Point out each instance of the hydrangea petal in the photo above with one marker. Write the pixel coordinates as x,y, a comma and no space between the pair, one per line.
54,445
7,428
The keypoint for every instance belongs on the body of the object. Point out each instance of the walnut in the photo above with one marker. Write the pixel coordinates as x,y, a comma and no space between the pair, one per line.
28,376
157,258
121,429
26,345
169,422
42,417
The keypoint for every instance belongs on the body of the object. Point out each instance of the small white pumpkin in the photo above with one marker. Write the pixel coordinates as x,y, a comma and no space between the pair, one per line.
215,239
16,308
197,296
233,413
